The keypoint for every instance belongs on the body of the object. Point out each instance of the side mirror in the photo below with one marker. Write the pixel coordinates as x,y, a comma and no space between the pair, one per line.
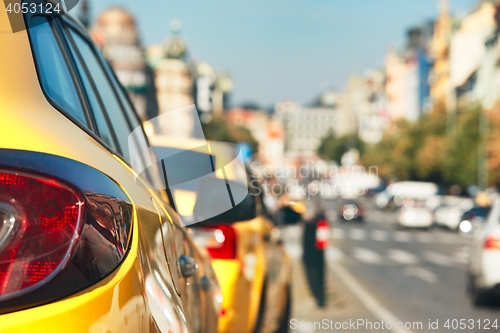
290,216
219,202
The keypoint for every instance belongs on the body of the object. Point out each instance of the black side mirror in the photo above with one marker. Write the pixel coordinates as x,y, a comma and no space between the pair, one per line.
289,216
221,201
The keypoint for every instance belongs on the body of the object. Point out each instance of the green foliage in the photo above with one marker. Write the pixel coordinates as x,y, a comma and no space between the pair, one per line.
333,148
425,151
461,161
218,129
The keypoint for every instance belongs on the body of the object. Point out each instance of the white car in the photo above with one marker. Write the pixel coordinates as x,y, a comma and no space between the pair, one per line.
484,269
415,216
450,214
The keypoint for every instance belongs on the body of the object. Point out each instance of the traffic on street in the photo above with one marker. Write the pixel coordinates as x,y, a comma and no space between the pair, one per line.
379,273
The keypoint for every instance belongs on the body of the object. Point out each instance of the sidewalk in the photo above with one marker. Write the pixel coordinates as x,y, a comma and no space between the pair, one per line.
341,305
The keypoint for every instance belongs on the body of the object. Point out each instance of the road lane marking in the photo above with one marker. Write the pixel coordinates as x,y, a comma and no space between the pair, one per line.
334,254
294,250
438,258
366,298
331,215
338,233
424,238
379,235
421,273
367,256
293,232
357,234
448,239
402,257
374,216
402,236
462,256
461,260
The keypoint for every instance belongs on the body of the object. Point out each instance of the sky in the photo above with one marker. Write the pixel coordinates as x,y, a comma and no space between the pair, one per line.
284,49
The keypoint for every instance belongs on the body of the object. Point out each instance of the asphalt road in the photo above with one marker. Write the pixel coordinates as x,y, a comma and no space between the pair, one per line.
388,280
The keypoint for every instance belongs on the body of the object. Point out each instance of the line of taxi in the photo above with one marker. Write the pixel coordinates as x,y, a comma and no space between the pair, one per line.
89,245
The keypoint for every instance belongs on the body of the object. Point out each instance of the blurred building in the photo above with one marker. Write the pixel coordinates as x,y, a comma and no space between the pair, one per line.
407,75
181,82
204,84
274,150
468,52
173,79
211,90
115,31
173,74
488,85
305,126
221,97
366,104
439,50
395,86
267,132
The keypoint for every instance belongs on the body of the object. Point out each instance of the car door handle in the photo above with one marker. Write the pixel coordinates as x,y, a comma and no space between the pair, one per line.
189,266
206,285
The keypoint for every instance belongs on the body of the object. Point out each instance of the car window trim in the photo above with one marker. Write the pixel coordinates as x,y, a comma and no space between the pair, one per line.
110,74
68,23
71,41
74,76
91,129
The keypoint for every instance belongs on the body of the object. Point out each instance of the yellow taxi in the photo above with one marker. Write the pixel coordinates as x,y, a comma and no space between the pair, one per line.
247,255
86,245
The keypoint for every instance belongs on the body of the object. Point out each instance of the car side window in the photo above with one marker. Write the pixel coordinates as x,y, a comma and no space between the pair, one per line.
152,172
105,91
96,104
54,75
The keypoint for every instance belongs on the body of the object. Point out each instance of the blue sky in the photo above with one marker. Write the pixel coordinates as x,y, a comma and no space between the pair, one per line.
284,49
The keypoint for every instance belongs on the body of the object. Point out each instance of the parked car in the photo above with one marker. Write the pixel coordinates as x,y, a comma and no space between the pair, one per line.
473,219
383,200
86,245
373,191
247,255
395,194
414,214
351,210
484,271
450,212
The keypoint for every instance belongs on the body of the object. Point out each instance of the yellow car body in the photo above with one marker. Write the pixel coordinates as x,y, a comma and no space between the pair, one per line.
255,283
146,291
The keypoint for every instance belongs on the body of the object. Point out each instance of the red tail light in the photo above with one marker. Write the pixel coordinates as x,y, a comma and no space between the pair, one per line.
40,220
492,242
322,235
220,241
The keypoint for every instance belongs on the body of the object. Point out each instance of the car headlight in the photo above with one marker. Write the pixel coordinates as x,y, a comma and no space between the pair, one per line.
465,226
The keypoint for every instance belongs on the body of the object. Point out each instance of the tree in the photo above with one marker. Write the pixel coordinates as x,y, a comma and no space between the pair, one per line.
333,148
218,129
430,159
460,165
425,151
